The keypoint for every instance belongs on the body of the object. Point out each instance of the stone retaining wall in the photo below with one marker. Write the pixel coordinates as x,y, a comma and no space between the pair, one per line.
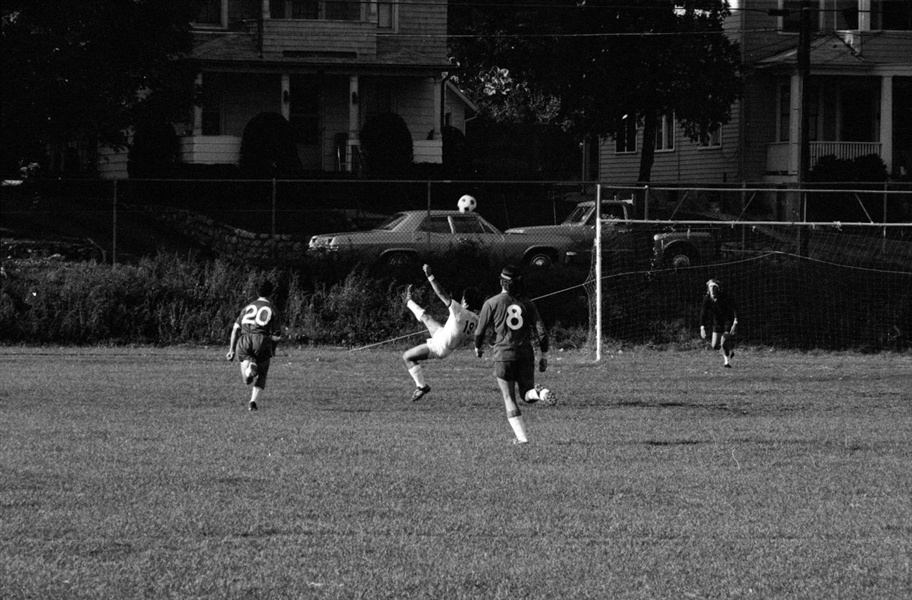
229,242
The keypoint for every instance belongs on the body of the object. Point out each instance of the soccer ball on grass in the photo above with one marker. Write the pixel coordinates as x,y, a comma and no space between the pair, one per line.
466,204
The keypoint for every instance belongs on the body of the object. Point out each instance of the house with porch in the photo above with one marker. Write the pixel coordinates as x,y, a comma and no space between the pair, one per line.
858,98
327,66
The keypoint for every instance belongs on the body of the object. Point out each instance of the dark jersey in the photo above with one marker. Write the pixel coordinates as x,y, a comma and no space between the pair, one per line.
516,324
259,317
722,310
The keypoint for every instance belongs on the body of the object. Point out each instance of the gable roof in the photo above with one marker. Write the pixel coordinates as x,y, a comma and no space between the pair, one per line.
828,52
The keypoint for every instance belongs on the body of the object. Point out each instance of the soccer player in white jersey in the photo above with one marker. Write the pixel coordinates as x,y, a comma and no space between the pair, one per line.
253,339
444,338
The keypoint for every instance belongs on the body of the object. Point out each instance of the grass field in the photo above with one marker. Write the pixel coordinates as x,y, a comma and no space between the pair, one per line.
139,473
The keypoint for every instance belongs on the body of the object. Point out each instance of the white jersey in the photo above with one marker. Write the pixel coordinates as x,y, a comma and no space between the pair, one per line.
459,325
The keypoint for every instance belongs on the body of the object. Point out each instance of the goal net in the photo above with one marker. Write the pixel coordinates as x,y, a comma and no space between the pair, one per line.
797,285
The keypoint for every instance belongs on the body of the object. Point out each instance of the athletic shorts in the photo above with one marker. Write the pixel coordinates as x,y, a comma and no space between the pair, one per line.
520,371
259,349
437,349
722,327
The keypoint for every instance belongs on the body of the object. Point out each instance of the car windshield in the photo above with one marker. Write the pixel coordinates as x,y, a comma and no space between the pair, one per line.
391,222
577,215
613,211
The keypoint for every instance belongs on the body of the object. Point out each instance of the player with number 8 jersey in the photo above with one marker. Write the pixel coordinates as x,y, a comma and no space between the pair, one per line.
516,323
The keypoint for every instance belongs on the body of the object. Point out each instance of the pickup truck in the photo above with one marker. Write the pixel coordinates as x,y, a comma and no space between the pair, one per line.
663,245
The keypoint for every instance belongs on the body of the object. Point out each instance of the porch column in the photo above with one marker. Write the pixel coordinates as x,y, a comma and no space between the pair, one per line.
439,95
264,9
795,124
286,96
198,110
354,122
886,121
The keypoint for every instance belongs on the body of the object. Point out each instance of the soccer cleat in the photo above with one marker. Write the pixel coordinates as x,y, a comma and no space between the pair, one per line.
420,392
252,405
520,442
546,395
727,366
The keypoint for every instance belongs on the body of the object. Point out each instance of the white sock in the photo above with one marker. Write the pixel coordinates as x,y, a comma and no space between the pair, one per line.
417,374
416,310
518,428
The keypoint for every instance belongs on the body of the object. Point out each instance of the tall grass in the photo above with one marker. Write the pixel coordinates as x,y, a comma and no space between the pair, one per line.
166,299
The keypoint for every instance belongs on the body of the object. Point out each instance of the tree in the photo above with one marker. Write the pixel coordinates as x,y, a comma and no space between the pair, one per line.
585,63
89,71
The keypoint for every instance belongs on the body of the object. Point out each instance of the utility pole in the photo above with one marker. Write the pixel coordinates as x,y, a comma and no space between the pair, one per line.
804,144
804,72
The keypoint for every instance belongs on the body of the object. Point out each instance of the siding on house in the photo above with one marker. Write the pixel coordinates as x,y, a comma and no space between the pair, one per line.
212,149
687,163
843,63
112,164
319,39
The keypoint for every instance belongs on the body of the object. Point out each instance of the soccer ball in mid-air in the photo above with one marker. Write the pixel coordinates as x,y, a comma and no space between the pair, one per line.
466,204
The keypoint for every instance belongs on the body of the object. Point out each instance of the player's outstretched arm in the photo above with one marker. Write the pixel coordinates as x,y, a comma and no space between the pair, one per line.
438,289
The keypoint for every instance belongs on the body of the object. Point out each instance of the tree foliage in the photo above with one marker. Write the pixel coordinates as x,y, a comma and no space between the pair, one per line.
89,70
585,63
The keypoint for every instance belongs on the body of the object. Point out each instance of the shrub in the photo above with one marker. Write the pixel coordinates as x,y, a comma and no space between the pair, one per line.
268,148
386,145
154,151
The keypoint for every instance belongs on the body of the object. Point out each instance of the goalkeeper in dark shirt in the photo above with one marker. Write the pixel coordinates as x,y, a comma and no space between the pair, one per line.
721,312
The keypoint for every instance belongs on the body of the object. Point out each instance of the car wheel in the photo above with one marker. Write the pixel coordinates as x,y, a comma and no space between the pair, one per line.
681,257
398,260
540,259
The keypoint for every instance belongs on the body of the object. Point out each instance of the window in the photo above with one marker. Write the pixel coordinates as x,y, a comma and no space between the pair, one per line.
893,15
209,13
713,139
841,15
307,9
342,10
791,21
665,141
212,114
468,224
626,134
333,10
785,111
435,225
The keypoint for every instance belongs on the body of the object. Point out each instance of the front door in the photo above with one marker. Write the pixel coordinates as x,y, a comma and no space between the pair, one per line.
304,115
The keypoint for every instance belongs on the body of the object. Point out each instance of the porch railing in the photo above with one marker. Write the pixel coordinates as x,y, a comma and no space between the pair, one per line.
778,153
